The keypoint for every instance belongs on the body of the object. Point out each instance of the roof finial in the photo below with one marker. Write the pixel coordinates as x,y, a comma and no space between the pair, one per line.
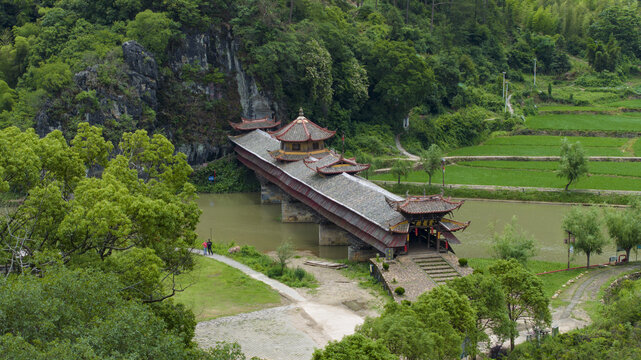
300,112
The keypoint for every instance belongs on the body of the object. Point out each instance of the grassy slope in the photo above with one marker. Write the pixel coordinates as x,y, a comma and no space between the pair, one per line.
551,282
523,145
457,174
216,289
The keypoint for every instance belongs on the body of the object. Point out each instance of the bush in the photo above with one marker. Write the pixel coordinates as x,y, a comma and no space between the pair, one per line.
602,79
299,273
399,291
274,271
462,262
385,266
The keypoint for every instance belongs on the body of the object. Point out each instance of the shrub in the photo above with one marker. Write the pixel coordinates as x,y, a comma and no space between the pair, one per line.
399,291
385,266
299,273
275,271
462,261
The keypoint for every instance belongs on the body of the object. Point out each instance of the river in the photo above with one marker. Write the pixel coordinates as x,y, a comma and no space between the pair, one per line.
242,219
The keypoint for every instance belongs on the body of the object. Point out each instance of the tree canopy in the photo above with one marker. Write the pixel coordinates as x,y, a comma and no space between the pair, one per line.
585,226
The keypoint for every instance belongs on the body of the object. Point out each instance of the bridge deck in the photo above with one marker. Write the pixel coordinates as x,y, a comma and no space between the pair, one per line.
350,202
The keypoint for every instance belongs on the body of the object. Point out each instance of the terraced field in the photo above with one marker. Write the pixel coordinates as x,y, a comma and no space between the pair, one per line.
624,122
523,145
542,177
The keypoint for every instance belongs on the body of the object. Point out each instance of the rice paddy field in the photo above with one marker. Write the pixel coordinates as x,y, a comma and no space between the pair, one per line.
611,107
605,176
534,145
624,122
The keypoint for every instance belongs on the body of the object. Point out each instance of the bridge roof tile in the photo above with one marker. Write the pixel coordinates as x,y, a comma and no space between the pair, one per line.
353,192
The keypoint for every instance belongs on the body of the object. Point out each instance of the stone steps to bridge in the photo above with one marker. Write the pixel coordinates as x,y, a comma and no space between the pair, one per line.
436,267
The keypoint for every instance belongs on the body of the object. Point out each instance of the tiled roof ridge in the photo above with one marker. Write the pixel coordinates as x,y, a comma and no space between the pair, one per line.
352,178
304,122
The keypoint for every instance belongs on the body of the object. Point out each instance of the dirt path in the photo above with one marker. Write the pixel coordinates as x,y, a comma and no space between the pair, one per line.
400,148
572,316
314,317
509,104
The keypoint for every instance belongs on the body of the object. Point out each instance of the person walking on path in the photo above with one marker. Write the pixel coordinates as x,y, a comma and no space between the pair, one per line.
211,252
204,248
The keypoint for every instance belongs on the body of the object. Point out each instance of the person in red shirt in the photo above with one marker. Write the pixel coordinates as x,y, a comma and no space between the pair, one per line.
204,247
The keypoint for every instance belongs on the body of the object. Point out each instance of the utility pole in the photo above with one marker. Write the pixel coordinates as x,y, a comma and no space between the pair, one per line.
503,89
534,72
507,86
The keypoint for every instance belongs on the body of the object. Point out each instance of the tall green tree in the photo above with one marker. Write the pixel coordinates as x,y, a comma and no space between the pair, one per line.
354,347
624,226
153,31
487,298
431,160
573,162
585,225
400,168
524,297
72,314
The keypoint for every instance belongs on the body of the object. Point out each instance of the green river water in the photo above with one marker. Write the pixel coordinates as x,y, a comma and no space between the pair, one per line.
242,219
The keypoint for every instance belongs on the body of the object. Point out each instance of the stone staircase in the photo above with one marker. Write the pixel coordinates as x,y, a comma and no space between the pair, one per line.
436,267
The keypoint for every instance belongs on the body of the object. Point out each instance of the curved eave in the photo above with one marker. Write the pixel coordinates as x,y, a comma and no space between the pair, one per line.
327,170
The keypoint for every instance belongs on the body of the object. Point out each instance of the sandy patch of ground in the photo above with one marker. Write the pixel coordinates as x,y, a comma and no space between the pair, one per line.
314,318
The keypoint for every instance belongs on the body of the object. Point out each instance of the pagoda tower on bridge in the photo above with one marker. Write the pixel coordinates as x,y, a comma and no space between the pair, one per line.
301,139
427,226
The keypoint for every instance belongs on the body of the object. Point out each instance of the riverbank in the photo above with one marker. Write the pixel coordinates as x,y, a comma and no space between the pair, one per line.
522,194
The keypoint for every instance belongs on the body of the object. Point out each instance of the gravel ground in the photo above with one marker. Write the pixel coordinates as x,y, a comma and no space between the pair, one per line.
315,317
268,334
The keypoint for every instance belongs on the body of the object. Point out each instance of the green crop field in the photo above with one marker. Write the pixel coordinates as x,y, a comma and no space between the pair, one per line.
636,147
215,289
522,145
458,174
619,122
596,167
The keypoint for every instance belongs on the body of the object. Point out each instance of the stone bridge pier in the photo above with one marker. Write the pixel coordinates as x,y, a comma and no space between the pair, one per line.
294,211
269,193
329,234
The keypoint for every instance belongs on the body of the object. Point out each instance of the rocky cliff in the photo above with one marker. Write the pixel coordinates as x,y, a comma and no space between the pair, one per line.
190,98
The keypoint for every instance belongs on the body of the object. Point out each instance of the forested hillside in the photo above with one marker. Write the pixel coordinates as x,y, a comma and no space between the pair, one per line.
358,67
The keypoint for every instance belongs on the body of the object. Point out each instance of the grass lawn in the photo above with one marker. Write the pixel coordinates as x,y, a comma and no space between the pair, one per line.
459,174
620,122
595,167
534,145
551,282
636,147
610,107
216,289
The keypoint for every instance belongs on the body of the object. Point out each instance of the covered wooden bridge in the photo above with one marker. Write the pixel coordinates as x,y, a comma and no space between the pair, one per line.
315,184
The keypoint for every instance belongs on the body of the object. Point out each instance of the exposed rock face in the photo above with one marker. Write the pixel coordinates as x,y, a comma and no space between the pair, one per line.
191,105
220,49
255,104
198,153
143,72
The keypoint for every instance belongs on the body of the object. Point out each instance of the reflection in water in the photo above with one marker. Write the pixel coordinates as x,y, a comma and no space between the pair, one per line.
242,219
